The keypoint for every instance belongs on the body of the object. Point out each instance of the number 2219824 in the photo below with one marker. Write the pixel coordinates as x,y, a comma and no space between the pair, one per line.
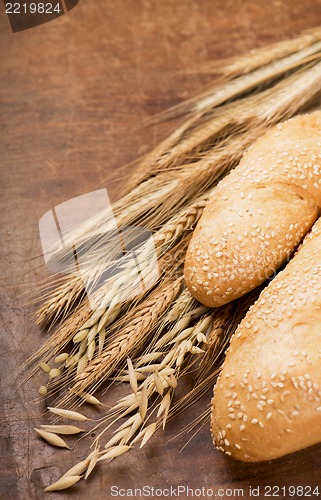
32,8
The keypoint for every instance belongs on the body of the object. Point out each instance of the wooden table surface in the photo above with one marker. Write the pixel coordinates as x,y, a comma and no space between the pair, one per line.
73,95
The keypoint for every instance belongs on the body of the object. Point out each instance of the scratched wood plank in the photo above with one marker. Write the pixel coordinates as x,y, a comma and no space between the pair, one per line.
73,95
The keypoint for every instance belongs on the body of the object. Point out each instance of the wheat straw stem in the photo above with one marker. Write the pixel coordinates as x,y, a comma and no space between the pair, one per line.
165,154
128,341
68,293
263,56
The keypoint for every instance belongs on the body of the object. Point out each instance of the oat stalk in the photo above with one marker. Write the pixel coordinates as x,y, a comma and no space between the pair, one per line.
127,341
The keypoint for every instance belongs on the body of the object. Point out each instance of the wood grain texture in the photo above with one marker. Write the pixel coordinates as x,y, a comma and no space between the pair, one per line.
73,94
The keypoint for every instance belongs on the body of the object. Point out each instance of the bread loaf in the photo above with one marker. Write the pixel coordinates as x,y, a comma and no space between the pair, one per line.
267,400
258,214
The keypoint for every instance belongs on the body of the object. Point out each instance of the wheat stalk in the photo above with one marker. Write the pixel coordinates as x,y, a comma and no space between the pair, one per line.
262,56
59,301
224,322
166,154
127,341
70,291
268,57
100,229
241,115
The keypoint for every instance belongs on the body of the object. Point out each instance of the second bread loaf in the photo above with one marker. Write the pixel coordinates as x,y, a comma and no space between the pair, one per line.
267,400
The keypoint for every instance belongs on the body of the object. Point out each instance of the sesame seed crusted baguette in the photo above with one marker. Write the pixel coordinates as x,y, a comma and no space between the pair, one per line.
267,400
258,214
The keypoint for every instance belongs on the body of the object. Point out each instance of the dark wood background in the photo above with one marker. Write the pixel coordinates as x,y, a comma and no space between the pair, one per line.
73,95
